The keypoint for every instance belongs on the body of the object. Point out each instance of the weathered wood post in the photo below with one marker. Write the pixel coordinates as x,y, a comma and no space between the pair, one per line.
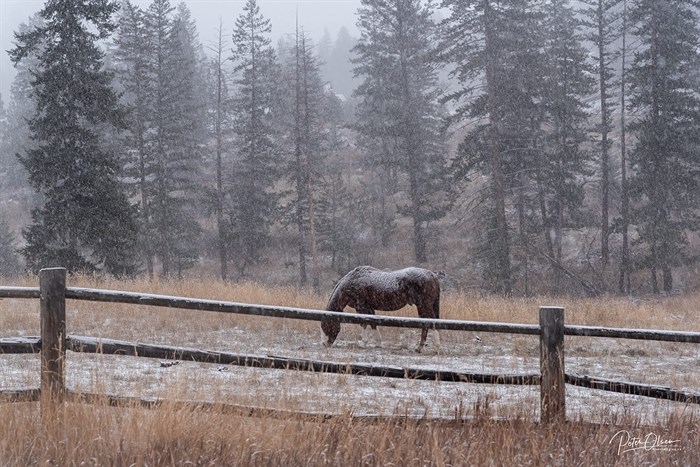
552,390
52,287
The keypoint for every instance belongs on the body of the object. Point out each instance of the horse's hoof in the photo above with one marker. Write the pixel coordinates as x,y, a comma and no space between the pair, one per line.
327,344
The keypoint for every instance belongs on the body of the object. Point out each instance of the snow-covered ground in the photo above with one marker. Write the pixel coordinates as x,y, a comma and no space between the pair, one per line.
668,364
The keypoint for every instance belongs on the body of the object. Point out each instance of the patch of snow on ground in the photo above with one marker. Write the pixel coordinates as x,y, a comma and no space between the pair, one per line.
675,365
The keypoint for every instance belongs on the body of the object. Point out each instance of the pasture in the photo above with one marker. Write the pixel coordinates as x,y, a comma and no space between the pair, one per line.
472,424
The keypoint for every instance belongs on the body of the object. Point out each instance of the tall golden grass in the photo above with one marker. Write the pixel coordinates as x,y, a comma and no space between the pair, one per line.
172,435
102,435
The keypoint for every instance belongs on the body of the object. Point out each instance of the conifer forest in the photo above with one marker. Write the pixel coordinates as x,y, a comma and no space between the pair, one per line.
522,146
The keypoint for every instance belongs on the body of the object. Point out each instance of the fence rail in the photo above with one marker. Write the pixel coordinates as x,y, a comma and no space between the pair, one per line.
657,392
643,334
166,301
19,345
54,342
116,347
135,298
19,292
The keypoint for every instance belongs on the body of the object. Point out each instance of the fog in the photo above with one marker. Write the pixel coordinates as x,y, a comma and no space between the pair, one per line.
314,16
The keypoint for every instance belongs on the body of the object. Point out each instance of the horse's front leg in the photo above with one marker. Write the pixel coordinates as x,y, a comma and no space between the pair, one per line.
365,332
423,337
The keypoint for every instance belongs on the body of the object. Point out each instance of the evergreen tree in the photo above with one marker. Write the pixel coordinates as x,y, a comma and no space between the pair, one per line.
188,116
601,21
664,93
3,134
3,117
564,166
324,49
220,122
252,201
9,262
339,64
375,137
496,50
340,211
307,141
17,137
86,222
624,283
131,57
399,113
174,137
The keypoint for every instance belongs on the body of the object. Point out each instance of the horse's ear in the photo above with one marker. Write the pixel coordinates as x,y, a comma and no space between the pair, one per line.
440,274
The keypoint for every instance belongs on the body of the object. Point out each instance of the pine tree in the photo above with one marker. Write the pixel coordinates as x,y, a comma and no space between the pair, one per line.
21,107
220,123
131,57
3,136
308,148
86,222
496,50
9,261
624,283
323,51
664,92
174,137
252,201
375,135
601,21
3,118
340,212
565,163
339,64
9,264
188,114
400,115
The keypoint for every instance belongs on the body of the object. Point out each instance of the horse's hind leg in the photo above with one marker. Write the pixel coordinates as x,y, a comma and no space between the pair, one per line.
430,312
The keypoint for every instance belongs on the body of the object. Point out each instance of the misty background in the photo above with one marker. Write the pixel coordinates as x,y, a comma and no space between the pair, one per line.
317,17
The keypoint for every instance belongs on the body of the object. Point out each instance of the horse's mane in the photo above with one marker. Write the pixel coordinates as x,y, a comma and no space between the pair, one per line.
334,296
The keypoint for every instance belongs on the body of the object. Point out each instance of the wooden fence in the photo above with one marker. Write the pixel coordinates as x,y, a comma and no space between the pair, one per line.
53,343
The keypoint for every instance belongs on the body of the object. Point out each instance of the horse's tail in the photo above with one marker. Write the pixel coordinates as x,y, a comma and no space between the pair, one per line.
436,303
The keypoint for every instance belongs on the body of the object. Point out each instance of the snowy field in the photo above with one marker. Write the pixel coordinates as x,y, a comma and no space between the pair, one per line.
667,364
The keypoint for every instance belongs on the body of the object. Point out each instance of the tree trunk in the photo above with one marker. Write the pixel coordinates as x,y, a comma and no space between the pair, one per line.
624,282
502,246
668,278
303,278
604,222
223,260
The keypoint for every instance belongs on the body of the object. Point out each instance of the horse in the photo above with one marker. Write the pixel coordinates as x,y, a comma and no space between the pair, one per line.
367,289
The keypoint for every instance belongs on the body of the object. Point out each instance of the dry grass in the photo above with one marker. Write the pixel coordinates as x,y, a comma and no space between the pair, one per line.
673,313
102,435
99,435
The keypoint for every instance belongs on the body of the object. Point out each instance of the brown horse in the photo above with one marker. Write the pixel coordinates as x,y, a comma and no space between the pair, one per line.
367,289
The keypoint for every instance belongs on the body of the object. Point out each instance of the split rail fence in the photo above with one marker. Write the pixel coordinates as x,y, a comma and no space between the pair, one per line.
53,343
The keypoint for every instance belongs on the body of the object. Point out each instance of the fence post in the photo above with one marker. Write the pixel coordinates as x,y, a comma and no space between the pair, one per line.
52,287
552,390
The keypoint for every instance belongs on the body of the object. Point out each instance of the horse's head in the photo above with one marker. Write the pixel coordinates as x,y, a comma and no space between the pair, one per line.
331,328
